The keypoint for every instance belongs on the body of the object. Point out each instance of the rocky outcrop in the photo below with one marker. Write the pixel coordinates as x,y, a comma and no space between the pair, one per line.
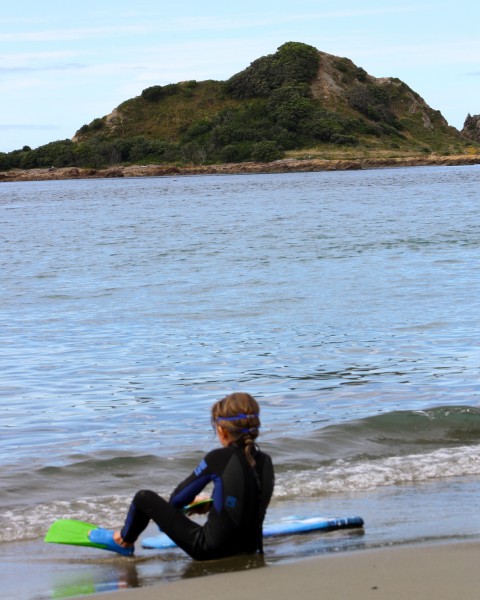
471,128
288,165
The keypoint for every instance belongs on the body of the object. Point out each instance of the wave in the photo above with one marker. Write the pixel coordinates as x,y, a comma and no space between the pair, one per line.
395,448
391,449
352,476
396,433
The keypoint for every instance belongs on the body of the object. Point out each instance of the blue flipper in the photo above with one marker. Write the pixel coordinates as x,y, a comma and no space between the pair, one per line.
104,538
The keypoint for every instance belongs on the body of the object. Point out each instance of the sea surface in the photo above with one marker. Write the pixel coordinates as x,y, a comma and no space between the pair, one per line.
348,303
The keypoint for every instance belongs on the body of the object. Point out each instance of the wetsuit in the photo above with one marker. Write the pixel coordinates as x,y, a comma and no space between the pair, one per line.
234,525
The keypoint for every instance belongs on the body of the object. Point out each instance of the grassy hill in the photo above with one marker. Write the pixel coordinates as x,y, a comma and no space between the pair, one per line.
297,100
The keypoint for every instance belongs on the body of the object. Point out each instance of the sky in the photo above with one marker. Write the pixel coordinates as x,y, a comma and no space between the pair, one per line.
63,64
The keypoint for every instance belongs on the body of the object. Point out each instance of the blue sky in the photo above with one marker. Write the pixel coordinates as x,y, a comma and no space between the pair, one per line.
63,64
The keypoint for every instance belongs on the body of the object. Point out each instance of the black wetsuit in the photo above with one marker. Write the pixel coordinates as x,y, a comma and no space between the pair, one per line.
234,525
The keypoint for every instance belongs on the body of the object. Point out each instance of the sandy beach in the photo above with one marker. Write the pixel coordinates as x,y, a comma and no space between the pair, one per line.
444,572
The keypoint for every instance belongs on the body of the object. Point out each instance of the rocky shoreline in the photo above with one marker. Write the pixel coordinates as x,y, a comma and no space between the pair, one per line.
279,166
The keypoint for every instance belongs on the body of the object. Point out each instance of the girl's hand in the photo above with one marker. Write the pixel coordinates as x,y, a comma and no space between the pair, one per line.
200,506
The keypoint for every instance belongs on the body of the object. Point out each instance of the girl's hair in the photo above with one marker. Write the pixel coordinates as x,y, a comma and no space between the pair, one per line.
239,414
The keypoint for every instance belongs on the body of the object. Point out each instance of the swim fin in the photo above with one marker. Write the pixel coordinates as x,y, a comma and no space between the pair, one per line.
76,533
104,538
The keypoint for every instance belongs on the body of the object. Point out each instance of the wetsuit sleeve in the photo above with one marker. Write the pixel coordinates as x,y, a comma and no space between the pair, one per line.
186,491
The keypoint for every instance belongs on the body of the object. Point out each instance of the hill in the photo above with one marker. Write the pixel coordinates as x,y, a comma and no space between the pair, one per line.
297,100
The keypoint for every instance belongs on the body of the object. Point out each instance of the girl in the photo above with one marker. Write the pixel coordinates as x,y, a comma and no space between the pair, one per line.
243,482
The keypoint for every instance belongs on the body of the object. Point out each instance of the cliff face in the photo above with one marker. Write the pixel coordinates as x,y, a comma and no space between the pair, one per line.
471,128
339,81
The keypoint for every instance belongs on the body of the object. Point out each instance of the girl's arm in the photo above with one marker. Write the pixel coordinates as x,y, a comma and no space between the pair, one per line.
186,492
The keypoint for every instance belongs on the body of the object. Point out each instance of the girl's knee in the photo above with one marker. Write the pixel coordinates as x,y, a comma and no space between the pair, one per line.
144,496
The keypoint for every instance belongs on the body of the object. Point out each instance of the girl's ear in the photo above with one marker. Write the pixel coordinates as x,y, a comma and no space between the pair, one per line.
223,435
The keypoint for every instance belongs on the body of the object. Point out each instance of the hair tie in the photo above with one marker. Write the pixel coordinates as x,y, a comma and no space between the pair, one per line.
251,430
236,417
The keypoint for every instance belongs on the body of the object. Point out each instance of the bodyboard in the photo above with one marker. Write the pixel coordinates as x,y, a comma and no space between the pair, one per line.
280,528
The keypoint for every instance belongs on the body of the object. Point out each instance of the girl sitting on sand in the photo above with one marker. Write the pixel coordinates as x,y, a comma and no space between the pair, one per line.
243,482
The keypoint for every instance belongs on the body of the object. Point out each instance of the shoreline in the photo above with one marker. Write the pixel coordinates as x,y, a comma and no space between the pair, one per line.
287,165
440,571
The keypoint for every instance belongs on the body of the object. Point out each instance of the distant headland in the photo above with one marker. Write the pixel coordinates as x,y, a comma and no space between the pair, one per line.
296,109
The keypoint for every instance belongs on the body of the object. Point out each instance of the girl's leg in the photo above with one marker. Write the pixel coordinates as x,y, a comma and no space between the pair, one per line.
137,519
148,505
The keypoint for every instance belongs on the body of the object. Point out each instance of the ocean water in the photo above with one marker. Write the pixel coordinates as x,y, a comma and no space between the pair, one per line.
348,303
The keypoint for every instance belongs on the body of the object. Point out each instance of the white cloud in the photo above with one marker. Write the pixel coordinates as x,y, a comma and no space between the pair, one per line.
34,69
441,53
16,126
159,22
11,86
59,35
21,58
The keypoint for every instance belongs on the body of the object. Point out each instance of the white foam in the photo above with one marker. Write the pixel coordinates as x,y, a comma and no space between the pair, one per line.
32,522
347,475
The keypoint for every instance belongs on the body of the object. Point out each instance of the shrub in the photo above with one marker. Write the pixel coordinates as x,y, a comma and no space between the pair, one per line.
373,101
198,129
152,94
193,153
236,152
4,161
324,124
361,74
157,92
289,105
343,64
346,140
266,151
97,124
293,62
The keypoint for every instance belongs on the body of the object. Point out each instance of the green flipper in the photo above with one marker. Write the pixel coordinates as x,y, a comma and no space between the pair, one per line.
74,533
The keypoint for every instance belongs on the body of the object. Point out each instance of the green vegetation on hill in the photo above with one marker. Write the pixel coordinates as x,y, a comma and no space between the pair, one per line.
297,99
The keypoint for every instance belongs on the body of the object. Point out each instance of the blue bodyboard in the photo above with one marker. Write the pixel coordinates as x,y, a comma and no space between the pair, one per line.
292,526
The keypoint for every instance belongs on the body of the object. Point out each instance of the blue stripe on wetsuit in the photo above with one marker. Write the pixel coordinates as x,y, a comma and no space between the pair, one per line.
190,491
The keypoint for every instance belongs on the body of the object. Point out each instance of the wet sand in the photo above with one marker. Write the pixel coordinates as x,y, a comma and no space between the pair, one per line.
440,572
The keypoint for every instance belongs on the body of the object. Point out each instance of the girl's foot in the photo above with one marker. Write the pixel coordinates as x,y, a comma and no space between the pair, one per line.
117,538
108,539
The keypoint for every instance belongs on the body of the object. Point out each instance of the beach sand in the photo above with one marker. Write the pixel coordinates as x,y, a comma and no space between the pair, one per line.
419,572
